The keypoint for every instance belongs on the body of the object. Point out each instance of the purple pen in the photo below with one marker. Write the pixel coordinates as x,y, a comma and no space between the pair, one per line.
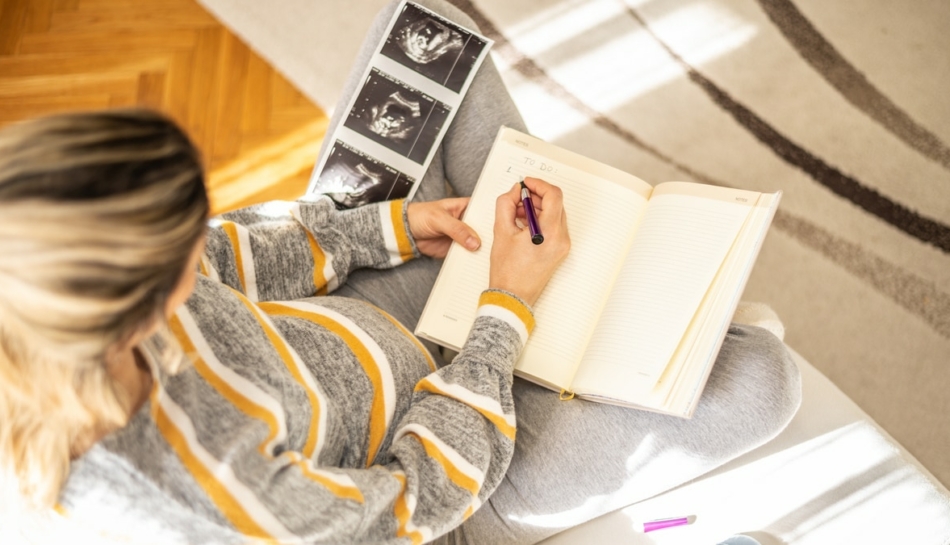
536,236
664,523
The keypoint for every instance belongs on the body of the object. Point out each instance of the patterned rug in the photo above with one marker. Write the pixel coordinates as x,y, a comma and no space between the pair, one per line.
841,105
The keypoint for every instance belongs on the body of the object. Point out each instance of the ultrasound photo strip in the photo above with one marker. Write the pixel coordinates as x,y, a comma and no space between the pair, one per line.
433,46
397,116
352,178
410,91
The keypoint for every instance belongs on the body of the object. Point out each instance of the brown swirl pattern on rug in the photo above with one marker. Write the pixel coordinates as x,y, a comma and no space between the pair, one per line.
918,295
850,82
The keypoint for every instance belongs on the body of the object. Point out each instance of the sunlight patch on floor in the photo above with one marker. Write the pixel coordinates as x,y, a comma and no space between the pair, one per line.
598,52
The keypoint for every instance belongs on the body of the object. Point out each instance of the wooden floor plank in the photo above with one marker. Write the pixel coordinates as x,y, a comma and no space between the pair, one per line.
19,109
151,90
279,169
287,119
13,16
230,94
257,104
147,17
132,5
87,41
66,5
70,64
172,56
71,85
177,84
39,15
201,114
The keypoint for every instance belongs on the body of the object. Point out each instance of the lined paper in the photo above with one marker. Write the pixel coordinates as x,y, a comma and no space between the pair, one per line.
679,248
601,216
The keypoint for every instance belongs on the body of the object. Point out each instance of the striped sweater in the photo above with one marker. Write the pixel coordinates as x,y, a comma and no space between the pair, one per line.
306,418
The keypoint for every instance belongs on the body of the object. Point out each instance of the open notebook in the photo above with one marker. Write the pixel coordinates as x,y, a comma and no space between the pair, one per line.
637,312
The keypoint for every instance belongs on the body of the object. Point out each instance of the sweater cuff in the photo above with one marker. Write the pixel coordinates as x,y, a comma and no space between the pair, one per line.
398,240
508,308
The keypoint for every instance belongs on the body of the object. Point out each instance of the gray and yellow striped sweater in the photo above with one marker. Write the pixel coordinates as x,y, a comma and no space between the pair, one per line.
305,418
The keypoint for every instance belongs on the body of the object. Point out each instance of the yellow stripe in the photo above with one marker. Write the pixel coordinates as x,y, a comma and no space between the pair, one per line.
226,503
508,302
254,410
377,418
401,510
342,491
499,421
406,332
468,512
399,228
319,263
247,406
230,229
460,479
202,266
280,345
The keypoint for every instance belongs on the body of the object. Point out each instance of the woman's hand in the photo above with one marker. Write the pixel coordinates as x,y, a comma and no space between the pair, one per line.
518,265
435,224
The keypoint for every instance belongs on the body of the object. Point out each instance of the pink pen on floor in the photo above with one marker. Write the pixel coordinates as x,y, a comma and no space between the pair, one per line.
653,525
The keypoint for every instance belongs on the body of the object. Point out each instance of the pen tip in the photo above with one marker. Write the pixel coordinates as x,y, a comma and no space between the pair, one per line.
522,184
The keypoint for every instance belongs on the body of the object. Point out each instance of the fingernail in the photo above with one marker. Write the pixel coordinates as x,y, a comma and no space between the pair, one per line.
471,243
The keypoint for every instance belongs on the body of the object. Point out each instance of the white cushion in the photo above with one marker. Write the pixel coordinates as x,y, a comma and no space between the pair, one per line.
832,476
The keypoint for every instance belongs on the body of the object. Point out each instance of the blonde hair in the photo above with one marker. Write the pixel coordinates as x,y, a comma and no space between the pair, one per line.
99,213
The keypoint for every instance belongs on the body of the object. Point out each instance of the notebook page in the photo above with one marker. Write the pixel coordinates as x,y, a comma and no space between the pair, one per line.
600,214
679,248
726,292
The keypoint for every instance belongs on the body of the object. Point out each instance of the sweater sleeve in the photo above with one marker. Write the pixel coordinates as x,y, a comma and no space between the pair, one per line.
290,250
454,446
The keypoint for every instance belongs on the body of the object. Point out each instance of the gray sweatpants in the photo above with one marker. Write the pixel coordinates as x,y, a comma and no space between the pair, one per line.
577,460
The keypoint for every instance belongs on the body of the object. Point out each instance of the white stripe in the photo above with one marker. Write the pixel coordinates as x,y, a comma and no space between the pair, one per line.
342,480
450,453
471,398
294,210
329,273
389,235
222,471
337,478
476,504
247,260
309,382
242,385
423,531
411,503
377,353
212,272
508,317
277,210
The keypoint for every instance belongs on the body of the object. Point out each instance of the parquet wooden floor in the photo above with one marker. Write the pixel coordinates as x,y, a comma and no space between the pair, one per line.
258,134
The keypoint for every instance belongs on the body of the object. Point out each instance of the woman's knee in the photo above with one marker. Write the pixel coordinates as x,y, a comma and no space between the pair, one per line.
763,363
754,389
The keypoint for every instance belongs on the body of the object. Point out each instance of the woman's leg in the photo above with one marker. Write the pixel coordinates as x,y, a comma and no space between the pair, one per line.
403,291
576,460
